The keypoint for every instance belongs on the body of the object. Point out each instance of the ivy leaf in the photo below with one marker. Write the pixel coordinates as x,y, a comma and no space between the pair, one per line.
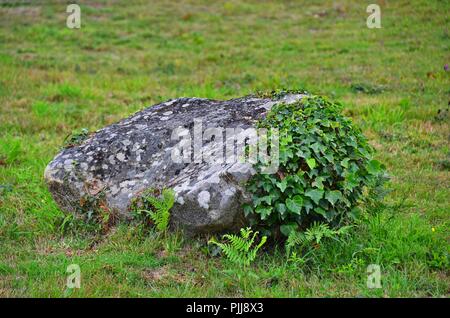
355,213
311,163
300,153
286,229
295,204
281,208
330,215
267,187
282,185
264,212
329,157
267,199
351,181
316,147
318,183
333,196
321,212
308,205
374,167
344,162
315,195
335,124
247,210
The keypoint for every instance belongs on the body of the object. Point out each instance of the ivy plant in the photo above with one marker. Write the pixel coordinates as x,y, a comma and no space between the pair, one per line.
326,169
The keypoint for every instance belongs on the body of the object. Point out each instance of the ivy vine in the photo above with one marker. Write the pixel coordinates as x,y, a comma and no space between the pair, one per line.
326,169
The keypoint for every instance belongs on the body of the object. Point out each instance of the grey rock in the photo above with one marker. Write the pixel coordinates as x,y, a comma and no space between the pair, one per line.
122,160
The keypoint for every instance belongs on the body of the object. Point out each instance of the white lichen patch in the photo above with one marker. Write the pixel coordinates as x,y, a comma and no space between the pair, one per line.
121,157
111,159
114,190
170,102
180,200
203,199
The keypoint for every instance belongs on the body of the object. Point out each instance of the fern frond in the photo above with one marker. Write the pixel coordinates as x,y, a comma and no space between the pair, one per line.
344,230
239,249
295,239
160,212
255,250
168,196
315,233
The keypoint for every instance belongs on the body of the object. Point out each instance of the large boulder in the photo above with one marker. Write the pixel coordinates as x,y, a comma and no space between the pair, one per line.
122,160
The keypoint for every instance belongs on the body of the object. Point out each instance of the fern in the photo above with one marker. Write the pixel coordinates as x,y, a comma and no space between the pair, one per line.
294,239
240,249
159,211
314,234
295,260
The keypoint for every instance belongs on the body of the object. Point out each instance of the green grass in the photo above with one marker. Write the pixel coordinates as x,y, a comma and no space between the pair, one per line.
55,80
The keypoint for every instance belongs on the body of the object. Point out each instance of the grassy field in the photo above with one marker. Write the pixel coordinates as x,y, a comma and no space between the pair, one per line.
55,80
